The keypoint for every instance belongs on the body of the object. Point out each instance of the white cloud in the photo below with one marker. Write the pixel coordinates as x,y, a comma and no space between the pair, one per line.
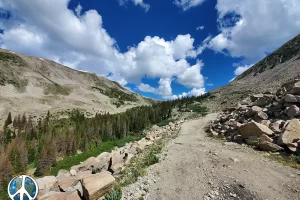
48,29
192,76
137,3
194,92
240,69
200,28
210,84
187,4
250,34
232,79
163,90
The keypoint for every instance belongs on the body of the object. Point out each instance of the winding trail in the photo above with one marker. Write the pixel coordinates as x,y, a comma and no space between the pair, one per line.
198,167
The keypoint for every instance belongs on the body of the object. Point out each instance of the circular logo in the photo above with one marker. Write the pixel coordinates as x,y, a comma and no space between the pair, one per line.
23,188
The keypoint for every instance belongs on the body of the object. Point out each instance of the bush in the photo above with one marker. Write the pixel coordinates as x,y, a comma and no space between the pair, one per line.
114,194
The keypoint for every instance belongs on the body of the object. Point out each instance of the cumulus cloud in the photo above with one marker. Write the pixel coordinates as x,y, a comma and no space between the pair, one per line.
77,39
164,89
192,76
194,92
251,34
140,3
187,4
240,69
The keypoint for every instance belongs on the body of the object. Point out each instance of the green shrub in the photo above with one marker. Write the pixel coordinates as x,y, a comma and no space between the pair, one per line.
114,194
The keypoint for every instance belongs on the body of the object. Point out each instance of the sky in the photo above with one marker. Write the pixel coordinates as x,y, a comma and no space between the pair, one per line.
163,49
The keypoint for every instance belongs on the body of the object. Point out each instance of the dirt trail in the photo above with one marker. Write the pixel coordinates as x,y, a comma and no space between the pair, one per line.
198,167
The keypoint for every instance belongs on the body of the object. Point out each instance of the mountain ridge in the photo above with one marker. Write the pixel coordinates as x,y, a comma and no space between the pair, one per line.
35,85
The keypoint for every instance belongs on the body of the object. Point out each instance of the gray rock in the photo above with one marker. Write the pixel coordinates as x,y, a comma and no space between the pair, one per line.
63,174
254,129
295,88
268,146
255,97
263,101
265,138
256,109
291,133
293,111
262,115
292,98
265,122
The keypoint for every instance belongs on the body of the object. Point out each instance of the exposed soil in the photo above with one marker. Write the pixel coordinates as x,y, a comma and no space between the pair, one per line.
199,167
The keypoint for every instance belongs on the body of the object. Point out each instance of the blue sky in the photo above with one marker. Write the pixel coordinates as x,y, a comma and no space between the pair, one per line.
162,49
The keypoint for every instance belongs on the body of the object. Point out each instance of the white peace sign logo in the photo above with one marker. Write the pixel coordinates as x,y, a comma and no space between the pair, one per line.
23,188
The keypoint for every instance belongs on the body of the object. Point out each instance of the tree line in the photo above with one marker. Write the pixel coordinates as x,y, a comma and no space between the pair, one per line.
27,142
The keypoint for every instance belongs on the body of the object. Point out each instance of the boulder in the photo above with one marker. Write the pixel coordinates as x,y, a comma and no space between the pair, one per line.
263,101
265,122
255,97
291,133
262,115
293,111
63,174
289,98
268,146
295,88
70,184
275,126
61,196
265,138
97,185
256,109
86,165
46,184
254,129
73,172
116,162
292,147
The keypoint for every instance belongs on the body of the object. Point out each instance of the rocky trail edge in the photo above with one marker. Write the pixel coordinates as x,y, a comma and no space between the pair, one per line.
196,166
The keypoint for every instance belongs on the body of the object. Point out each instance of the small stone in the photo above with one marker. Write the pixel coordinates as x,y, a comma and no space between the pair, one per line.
234,160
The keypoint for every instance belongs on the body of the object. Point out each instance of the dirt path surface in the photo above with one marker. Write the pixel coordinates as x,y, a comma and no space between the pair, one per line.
198,167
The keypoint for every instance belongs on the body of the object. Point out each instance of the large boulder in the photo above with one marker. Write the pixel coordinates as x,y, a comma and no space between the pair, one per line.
70,184
268,146
294,88
291,133
275,126
86,165
254,129
63,174
61,196
265,138
46,184
263,101
292,98
97,185
293,111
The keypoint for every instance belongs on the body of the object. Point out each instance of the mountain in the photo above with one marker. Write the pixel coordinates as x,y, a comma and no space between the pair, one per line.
266,76
34,85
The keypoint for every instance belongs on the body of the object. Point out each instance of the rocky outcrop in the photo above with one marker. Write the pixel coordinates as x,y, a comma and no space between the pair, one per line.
91,179
97,185
267,120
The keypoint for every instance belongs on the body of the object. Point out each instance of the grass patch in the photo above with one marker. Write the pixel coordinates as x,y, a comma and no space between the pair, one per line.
291,160
56,89
70,161
114,194
138,165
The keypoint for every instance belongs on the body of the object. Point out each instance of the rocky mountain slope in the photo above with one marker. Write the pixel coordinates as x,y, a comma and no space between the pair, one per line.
269,74
34,86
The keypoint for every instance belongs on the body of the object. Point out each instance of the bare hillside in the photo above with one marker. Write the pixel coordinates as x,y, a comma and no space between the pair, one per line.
34,86
267,75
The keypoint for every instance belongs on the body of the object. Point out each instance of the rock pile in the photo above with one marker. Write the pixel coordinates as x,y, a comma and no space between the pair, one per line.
93,178
267,120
